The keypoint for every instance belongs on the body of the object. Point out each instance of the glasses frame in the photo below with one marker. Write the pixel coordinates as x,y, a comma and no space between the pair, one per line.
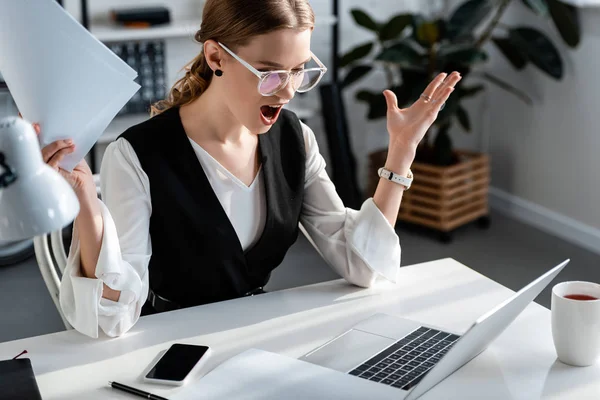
262,76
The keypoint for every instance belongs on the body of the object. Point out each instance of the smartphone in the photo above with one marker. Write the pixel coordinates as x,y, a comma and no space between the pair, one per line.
177,364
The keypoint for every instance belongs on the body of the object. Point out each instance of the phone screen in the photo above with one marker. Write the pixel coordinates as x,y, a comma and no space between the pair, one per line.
177,362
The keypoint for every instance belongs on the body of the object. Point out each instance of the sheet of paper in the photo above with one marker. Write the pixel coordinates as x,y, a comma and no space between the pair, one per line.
59,75
261,375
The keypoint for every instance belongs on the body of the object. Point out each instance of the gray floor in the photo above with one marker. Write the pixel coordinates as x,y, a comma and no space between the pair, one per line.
509,252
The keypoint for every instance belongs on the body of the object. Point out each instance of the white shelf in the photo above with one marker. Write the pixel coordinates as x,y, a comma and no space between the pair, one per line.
110,32
121,124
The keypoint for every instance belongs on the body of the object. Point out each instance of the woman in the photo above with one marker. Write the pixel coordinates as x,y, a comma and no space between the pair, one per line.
201,202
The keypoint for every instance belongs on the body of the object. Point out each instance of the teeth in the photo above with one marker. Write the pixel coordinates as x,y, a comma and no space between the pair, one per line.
277,106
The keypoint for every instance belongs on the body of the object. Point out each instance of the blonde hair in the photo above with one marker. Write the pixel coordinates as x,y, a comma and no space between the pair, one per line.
235,23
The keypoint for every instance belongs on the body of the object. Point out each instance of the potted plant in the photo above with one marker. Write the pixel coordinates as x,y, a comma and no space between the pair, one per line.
451,186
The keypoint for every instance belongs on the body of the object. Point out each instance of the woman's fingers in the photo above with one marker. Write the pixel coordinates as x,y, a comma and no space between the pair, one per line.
449,82
59,155
429,92
443,92
55,151
390,99
49,151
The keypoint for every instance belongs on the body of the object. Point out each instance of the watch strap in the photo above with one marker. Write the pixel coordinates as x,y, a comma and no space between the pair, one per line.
405,181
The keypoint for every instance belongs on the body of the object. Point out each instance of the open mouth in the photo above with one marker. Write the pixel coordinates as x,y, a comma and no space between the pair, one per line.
269,114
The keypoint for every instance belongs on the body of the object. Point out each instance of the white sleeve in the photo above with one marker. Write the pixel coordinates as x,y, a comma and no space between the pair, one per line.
359,245
124,254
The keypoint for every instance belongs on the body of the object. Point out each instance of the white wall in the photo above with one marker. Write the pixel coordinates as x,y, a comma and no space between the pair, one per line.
547,154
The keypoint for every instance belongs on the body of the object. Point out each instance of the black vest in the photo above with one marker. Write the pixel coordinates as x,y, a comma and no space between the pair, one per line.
196,255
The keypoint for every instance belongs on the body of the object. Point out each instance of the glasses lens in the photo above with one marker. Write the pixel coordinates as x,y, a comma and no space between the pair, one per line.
272,83
308,80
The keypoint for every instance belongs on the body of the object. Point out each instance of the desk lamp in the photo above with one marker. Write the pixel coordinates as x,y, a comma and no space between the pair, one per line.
34,198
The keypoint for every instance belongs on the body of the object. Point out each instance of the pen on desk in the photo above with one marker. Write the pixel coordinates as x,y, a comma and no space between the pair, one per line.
134,391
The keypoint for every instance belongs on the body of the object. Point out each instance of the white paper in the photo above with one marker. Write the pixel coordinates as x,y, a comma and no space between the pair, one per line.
261,375
60,75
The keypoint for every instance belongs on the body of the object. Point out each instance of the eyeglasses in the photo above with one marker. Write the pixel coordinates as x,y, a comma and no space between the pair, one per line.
271,82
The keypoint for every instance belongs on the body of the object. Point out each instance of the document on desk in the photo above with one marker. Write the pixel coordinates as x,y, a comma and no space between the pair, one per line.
261,375
60,75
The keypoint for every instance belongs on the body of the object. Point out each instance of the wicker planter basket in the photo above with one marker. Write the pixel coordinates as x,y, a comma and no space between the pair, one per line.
443,198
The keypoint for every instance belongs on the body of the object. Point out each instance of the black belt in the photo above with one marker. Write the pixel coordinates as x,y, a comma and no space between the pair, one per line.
160,304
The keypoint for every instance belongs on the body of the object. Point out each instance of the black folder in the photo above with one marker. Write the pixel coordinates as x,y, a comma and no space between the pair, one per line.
17,381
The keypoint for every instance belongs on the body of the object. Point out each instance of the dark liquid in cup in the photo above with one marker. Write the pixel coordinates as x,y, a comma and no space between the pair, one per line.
582,297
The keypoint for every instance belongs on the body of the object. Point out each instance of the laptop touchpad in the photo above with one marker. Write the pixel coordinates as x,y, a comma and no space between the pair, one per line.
349,350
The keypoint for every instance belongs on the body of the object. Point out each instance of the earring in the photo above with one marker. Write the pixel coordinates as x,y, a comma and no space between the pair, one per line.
219,72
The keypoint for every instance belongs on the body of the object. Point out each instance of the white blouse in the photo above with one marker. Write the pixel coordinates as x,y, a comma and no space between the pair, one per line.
244,205
359,245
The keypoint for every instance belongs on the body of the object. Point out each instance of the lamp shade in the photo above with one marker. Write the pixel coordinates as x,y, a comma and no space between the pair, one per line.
34,198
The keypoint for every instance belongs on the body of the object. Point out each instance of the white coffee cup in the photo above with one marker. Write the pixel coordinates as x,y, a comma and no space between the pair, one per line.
576,323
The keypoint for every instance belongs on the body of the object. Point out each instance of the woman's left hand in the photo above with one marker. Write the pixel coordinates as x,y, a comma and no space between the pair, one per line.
408,126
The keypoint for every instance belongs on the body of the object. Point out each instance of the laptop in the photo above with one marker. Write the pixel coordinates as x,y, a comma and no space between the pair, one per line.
414,357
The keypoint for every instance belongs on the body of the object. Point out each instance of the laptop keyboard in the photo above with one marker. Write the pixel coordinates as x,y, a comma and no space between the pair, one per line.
406,362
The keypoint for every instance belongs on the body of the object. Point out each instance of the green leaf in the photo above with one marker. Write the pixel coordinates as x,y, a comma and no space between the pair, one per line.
449,110
471,91
364,20
468,16
364,95
376,103
395,26
428,33
356,54
508,87
538,6
467,56
355,74
377,107
416,22
403,94
539,49
566,19
442,26
463,118
452,47
511,52
400,53
414,83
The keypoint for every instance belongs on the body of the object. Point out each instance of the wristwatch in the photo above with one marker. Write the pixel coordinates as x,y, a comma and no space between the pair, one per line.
405,181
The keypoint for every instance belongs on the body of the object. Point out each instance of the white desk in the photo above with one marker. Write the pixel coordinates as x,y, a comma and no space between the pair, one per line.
520,364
